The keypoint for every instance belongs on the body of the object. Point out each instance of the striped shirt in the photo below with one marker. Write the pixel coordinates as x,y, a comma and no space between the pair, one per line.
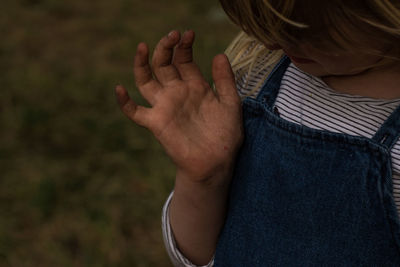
308,101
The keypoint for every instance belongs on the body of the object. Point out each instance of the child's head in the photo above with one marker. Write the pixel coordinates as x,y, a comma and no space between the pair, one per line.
369,27
337,23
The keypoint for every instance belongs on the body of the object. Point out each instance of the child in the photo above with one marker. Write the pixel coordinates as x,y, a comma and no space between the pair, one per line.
305,171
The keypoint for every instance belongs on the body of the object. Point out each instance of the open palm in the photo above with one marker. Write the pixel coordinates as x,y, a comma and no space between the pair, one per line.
200,129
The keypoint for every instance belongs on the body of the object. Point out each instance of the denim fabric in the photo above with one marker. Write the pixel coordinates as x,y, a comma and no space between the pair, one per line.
306,197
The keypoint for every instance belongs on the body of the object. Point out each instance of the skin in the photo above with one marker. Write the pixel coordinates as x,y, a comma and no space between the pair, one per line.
201,130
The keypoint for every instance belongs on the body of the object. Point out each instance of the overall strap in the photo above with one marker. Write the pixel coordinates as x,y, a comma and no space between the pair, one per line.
389,132
269,91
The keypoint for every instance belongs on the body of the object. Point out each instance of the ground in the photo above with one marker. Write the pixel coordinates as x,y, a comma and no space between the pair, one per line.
80,185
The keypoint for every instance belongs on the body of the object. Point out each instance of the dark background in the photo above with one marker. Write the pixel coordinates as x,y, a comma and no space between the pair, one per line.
80,185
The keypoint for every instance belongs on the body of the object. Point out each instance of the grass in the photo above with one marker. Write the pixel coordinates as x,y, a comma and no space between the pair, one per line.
80,185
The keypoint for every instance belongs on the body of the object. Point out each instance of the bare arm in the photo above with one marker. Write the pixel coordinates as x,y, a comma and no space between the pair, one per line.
201,130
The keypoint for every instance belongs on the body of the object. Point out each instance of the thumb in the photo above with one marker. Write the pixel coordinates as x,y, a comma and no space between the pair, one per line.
224,79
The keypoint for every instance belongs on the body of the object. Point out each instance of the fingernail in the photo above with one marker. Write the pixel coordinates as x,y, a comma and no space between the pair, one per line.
171,33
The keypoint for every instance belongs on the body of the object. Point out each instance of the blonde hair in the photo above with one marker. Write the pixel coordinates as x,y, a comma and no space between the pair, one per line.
243,53
325,24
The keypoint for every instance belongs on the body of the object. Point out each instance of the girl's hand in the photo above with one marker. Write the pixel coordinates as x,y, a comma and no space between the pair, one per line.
201,130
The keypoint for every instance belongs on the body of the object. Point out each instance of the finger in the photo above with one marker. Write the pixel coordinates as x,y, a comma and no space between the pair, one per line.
141,67
183,58
162,58
183,51
136,113
144,80
224,79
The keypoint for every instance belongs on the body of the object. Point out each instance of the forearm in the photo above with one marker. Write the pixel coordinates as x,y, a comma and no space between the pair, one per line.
197,214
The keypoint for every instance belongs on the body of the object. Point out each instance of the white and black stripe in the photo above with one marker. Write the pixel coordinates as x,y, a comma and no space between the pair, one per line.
308,101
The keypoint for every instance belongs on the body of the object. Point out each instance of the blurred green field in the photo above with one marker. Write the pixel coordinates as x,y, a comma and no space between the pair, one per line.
80,185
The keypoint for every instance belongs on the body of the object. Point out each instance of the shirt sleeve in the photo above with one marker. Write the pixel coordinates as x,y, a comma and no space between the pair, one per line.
178,260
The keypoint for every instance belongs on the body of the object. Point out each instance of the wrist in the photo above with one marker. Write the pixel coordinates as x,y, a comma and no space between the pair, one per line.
208,179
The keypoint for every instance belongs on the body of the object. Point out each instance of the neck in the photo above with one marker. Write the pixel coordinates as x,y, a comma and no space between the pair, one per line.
379,83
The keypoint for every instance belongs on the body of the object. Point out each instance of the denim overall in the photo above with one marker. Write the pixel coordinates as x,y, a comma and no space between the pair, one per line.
306,197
